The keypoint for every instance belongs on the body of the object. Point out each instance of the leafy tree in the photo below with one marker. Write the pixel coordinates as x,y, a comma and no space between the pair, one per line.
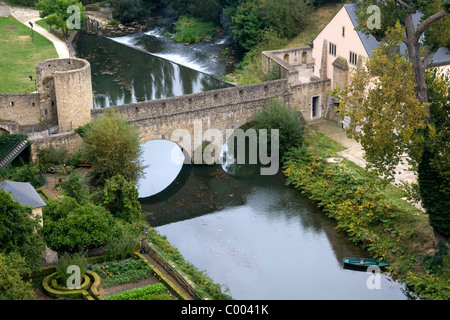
12,285
435,25
385,116
112,146
279,116
246,24
56,13
205,10
127,10
390,121
121,198
19,230
75,187
79,227
286,17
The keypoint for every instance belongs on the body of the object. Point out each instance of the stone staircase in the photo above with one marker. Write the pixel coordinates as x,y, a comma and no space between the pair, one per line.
10,154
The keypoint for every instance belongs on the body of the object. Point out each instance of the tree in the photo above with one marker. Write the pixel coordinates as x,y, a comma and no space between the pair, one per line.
60,13
127,10
385,117
20,231
12,285
286,17
121,198
112,146
279,116
246,24
71,227
435,25
390,121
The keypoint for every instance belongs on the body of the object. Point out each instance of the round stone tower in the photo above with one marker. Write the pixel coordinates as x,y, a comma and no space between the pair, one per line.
65,89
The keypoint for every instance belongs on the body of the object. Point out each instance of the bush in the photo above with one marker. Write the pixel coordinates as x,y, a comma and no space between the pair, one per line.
19,231
75,187
54,156
65,261
192,30
116,249
25,173
81,227
279,116
12,286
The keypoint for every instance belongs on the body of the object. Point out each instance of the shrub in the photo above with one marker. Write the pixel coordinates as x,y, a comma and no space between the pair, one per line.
192,30
82,227
279,116
66,260
120,248
12,286
75,187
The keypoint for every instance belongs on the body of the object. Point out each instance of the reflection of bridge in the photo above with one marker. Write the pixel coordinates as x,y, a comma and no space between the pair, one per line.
221,109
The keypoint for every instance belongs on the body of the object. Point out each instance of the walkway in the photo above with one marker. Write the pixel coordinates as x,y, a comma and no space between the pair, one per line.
353,151
26,15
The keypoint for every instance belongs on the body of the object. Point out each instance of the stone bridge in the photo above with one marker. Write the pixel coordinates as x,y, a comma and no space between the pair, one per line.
199,117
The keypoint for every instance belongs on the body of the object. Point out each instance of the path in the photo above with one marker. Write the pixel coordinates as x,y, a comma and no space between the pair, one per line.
4,9
354,152
26,15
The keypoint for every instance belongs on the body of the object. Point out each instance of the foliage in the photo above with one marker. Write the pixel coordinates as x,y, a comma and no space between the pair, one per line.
56,13
247,24
19,230
381,101
370,211
278,115
433,170
112,145
150,292
54,156
66,260
75,187
203,285
121,198
73,227
190,30
12,285
120,248
24,173
127,10
124,271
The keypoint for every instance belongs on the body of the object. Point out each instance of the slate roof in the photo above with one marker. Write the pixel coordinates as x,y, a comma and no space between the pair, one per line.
22,192
441,57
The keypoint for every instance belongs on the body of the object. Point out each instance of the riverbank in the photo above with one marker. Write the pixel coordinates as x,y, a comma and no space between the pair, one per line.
372,213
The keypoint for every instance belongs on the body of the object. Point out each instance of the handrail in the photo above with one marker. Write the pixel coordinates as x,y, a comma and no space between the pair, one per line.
5,151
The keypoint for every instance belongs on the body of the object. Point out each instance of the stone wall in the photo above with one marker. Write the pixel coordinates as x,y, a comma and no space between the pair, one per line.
65,86
70,141
302,97
23,109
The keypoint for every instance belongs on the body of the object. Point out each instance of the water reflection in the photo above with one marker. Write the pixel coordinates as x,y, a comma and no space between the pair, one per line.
163,161
276,245
121,74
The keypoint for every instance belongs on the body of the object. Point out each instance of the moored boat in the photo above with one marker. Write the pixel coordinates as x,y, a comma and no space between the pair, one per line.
363,263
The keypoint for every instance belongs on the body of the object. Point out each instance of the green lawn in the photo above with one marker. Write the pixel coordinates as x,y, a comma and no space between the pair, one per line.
19,55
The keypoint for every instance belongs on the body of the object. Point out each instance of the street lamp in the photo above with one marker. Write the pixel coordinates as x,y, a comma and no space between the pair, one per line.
32,31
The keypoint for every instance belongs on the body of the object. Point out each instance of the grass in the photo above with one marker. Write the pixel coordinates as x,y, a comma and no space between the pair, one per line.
191,30
316,22
19,55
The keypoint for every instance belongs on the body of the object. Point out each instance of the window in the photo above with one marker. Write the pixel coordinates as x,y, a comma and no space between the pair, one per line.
11,104
353,58
343,31
332,49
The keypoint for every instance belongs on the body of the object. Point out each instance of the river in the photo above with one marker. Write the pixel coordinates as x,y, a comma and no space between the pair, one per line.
252,234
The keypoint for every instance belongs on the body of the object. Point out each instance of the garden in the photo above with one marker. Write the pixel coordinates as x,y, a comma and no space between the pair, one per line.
93,222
